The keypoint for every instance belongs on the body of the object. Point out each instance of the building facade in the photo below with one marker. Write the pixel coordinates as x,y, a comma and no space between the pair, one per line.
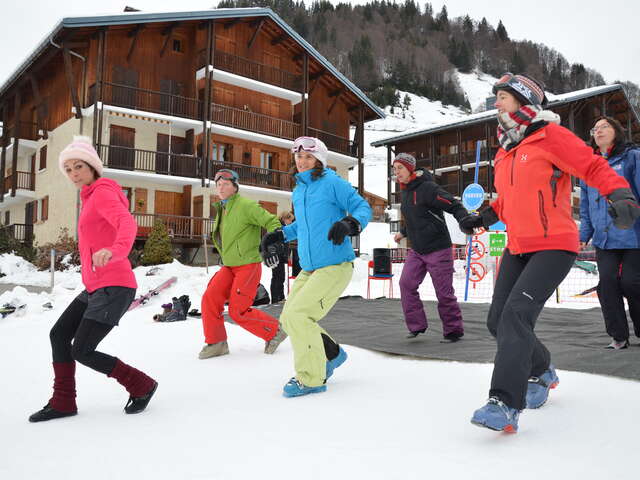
168,99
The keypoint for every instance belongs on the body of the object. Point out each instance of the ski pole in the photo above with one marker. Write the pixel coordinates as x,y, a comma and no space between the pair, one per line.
206,255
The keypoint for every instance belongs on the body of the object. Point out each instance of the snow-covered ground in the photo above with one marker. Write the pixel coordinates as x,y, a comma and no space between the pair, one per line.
383,416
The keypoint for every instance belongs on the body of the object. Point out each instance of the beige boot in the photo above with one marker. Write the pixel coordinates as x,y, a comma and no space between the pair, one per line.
271,346
214,350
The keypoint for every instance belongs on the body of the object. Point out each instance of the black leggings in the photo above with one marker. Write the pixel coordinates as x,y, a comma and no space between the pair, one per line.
86,335
524,284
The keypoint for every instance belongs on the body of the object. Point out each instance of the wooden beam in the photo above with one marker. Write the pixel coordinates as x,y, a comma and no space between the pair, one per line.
279,39
336,93
315,76
255,34
16,144
102,61
4,140
305,97
97,89
68,71
206,107
230,24
168,31
297,57
335,101
133,34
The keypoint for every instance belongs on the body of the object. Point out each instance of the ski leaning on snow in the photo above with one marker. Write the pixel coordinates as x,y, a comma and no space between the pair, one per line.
141,300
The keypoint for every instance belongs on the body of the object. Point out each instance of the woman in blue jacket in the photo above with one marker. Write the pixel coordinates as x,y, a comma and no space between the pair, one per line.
617,251
328,210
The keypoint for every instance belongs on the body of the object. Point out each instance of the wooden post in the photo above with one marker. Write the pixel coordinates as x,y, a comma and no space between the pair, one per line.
4,142
360,140
206,254
16,145
305,93
572,120
68,71
389,202
101,94
206,105
96,88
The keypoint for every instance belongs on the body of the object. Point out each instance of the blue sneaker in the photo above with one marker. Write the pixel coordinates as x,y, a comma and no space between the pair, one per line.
294,388
538,387
336,362
495,415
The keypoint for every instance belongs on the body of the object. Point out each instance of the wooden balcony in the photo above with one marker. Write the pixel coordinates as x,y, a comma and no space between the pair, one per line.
148,100
334,142
180,228
252,69
125,158
258,177
26,181
254,122
28,131
19,231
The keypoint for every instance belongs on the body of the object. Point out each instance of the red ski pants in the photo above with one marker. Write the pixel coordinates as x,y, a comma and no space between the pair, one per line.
238,285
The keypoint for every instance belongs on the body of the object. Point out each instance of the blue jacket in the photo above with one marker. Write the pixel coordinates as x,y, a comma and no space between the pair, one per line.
318,204
595,222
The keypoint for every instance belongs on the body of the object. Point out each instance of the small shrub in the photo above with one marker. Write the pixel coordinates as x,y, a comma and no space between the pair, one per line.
66,248
157,248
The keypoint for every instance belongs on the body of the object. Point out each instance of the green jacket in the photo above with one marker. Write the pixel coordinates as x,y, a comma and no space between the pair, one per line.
236,231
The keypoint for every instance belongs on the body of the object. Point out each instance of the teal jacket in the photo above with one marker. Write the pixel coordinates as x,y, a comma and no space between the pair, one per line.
318,204
236,231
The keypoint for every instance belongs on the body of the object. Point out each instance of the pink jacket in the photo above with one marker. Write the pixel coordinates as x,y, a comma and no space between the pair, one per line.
105,222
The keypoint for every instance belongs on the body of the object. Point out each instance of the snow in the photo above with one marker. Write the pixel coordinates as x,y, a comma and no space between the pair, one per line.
477,87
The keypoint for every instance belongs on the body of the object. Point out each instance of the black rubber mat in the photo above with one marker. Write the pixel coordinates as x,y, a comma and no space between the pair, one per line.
575,338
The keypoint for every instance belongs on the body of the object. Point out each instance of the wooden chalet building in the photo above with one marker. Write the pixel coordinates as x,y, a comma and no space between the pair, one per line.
449,149
168,99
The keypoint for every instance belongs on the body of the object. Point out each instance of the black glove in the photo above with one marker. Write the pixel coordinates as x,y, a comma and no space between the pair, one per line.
623,208
470,222
347,226
272,248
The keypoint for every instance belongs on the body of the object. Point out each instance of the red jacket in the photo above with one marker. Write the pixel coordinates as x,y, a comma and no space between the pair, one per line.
534,199
105,222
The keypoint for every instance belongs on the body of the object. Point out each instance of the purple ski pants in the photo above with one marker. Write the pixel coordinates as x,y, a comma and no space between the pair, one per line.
439,265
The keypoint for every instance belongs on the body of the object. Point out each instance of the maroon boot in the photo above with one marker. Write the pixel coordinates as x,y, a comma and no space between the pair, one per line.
63,401
141,387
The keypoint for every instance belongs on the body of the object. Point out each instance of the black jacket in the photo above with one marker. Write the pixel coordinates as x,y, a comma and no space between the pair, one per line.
423,203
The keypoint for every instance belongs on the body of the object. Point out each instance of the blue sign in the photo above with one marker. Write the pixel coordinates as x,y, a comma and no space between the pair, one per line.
473,196
498,227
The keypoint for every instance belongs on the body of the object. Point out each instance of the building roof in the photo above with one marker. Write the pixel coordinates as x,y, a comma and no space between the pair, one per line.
554,101
219,13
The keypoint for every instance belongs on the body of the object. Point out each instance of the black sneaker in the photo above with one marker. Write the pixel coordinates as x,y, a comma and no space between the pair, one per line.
416,333
138,404
49,413
452,337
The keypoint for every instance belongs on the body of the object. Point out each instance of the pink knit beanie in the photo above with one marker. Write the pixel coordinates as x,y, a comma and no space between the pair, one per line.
80,149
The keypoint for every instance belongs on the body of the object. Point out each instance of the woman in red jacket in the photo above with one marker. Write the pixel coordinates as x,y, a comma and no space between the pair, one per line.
533,179
106,231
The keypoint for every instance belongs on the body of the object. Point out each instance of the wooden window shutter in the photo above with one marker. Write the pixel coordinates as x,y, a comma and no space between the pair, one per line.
45,208
34,211
43,158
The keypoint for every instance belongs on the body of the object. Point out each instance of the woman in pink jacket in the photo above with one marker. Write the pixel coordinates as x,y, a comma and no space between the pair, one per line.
106,231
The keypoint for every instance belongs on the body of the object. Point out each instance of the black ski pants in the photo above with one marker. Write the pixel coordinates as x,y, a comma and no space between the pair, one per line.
277,281
78,324
524,284
619,272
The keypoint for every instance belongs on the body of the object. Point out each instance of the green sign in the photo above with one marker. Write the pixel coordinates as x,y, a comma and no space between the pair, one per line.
497,243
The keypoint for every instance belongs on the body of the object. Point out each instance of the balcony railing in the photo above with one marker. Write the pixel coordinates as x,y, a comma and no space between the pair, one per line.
125,158
148,100
258,177
20,231
252,69
179,227
28,131
26,181
254,122
335,142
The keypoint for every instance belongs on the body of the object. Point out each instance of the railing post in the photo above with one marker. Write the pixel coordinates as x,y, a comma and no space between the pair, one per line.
53,266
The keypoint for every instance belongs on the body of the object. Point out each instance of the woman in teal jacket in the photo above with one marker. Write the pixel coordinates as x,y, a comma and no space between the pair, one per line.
328,209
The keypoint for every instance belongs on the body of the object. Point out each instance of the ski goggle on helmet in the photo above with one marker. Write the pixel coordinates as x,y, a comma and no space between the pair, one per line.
312,145
526,89
226,174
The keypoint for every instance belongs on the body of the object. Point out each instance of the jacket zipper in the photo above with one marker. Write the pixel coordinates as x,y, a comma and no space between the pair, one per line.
513,164
543,216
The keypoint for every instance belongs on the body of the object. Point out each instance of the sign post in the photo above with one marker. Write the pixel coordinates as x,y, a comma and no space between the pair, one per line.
472,199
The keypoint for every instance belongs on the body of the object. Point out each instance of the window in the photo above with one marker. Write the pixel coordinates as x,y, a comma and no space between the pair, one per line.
267,160
43,158
7,217
44,208
127,193
221,152
177,45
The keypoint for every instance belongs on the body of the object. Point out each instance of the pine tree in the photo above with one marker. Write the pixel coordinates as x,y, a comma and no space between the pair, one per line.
501,32
157,248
